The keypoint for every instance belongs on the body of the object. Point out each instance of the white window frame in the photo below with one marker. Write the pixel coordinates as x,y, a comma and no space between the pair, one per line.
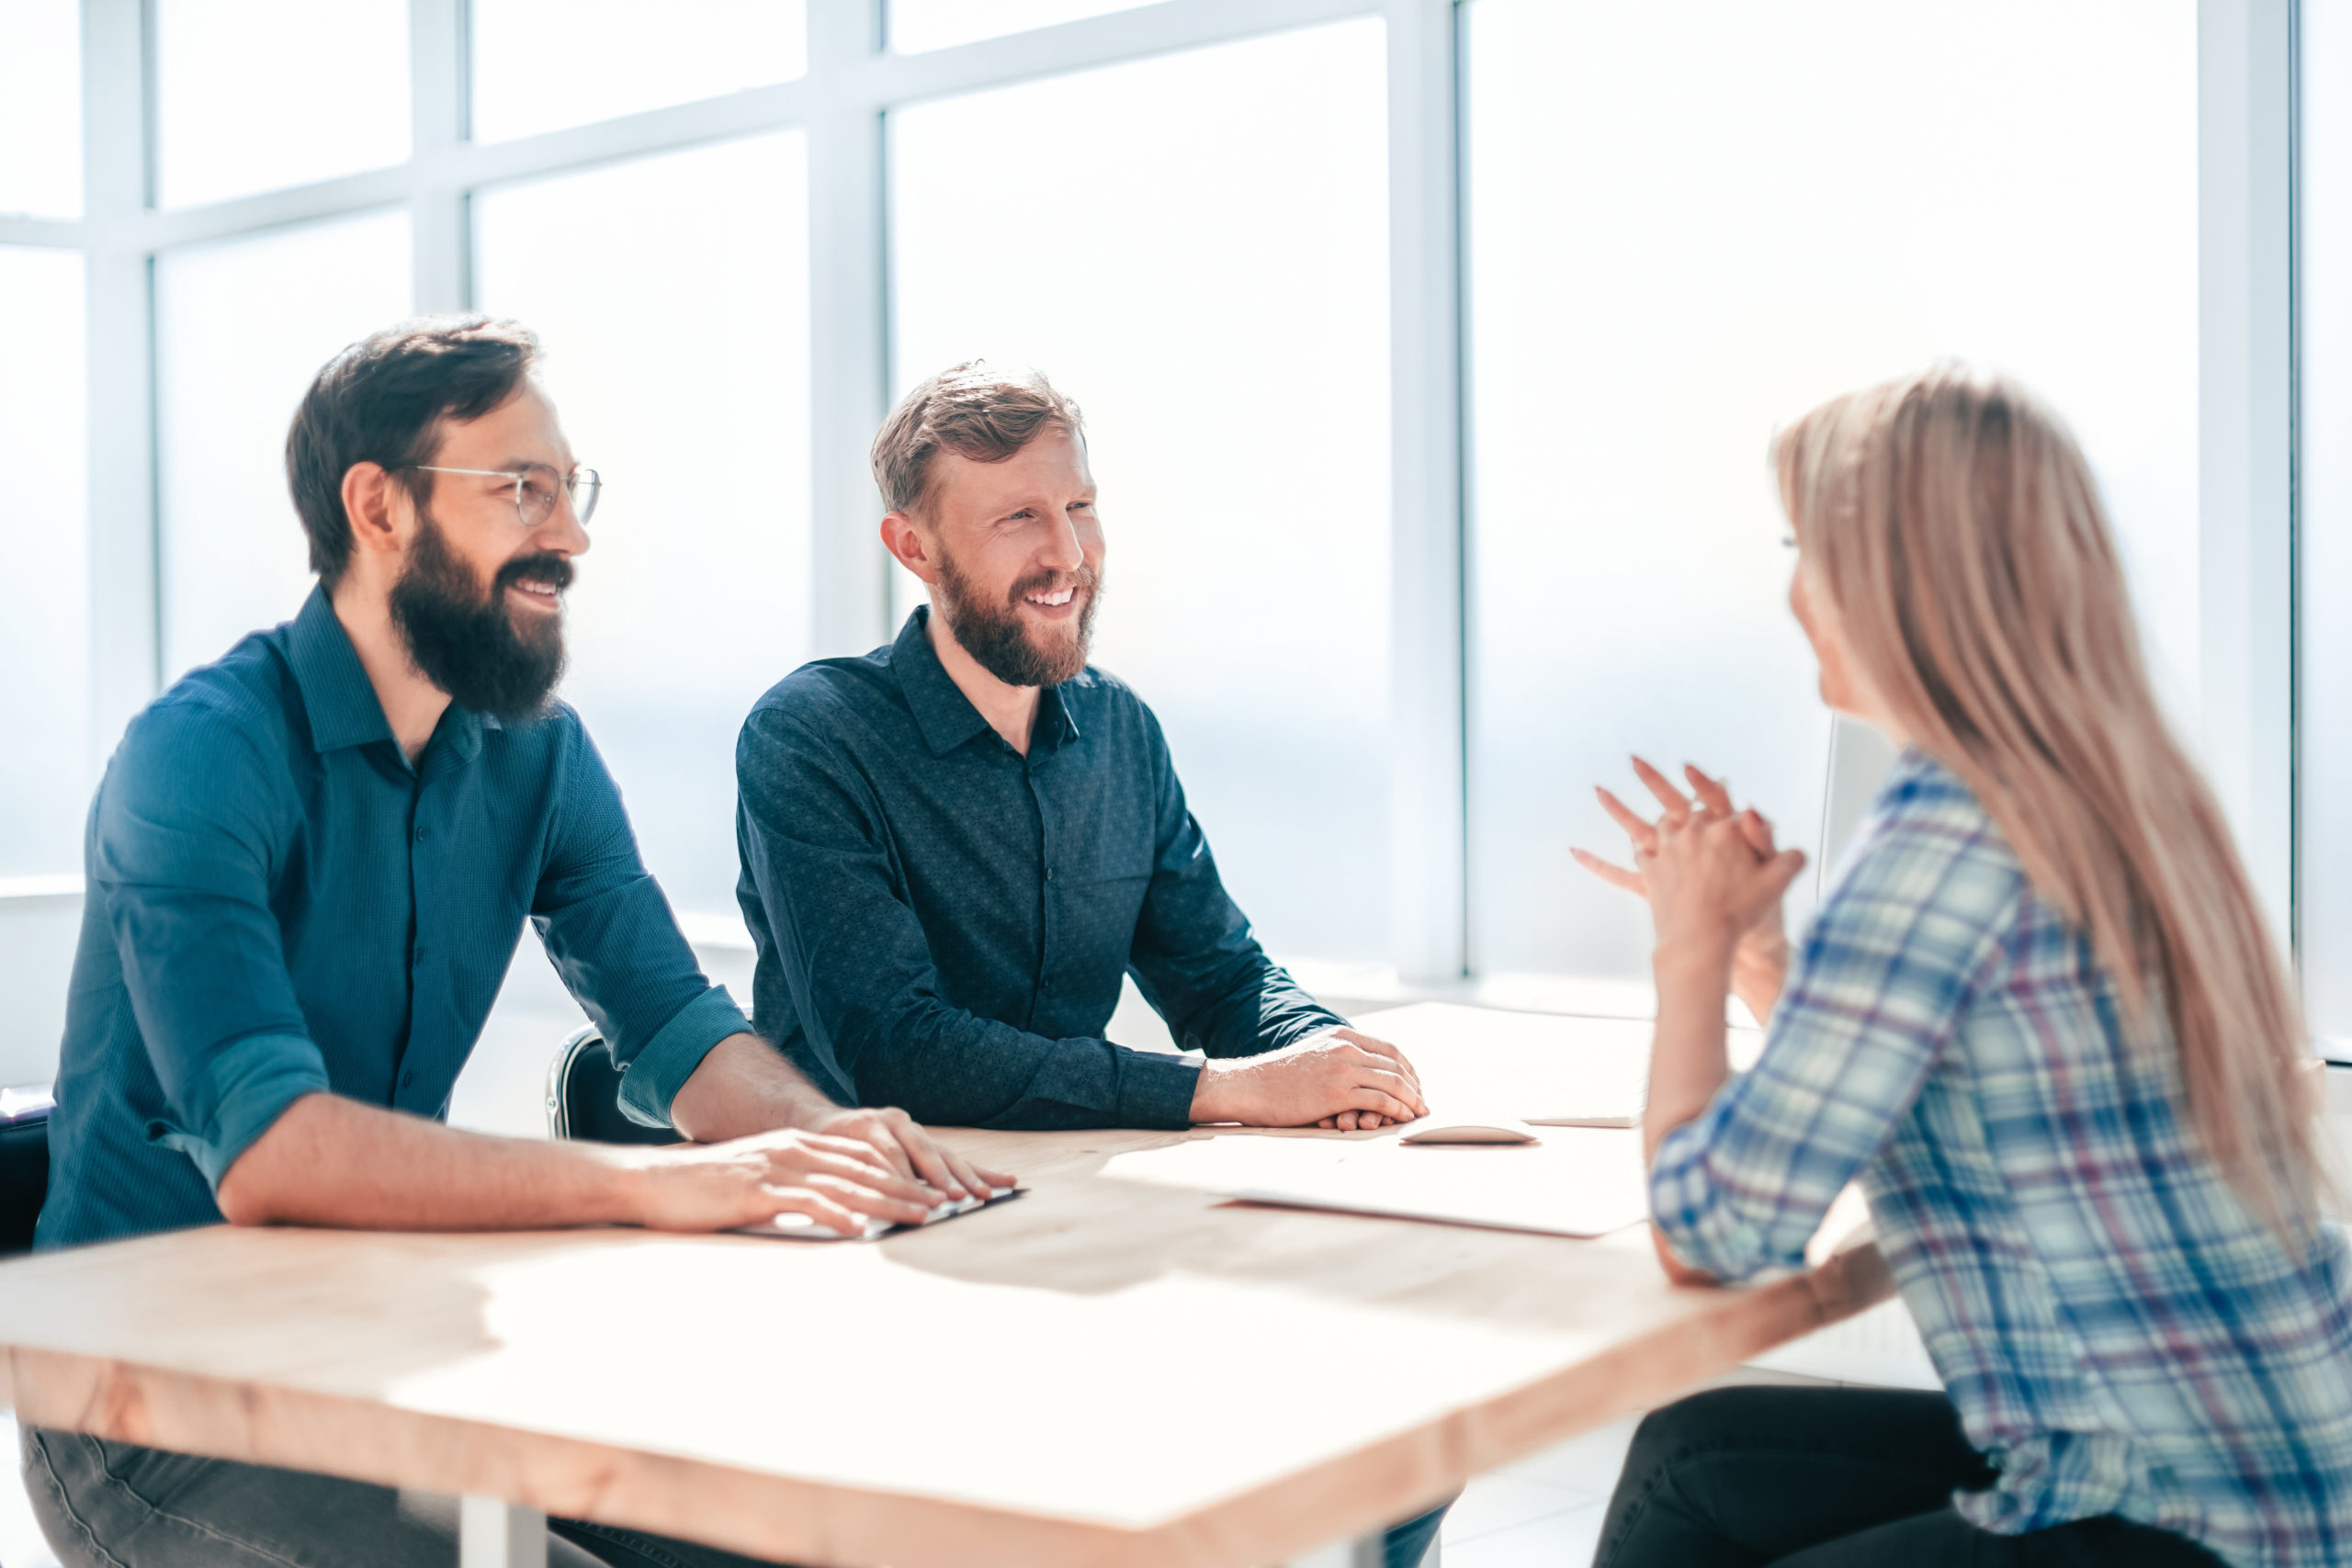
2245,444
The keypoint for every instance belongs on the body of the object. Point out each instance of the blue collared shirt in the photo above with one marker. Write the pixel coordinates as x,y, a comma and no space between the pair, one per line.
279,904
2121,1332
943,922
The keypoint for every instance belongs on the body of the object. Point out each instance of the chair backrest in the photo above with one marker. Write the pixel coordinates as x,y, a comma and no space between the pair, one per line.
584,1095
1859,759
24,1164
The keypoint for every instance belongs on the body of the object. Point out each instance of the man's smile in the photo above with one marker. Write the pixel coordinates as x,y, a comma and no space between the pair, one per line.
537,592
1054,603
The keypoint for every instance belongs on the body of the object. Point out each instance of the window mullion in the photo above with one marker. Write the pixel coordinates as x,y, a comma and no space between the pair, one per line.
125,612
848,332
438,105
2245,434
1426,655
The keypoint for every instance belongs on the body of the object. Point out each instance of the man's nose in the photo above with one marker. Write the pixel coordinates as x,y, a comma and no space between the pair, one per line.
1063,552
563,534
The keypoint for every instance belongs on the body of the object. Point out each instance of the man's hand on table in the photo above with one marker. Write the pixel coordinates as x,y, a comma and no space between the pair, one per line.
1341,1079
913,1154
837,1181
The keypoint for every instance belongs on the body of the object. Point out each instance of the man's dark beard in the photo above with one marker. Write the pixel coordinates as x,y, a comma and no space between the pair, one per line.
467,645
993,634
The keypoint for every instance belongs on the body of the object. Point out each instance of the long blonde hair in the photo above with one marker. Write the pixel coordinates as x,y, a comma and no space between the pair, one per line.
1953,524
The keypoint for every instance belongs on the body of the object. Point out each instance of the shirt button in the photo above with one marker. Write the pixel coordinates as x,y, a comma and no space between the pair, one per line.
1050,873
408,1077
420,835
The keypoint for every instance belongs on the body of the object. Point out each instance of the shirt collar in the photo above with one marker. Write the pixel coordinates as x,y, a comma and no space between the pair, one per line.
340,700
943,714
336,693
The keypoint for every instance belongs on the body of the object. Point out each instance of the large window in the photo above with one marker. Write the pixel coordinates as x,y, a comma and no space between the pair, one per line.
1429,356
693,407
1201,265
241,328
547,64
40,107
1685,228
256,94
45,592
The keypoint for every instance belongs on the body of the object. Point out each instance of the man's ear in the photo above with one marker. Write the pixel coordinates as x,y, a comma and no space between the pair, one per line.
903,538
382,512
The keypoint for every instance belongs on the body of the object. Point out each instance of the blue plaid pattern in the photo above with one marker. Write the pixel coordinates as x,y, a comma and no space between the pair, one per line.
2120,1334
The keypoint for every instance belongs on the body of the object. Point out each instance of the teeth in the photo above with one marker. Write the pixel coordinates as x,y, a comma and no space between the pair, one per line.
1059,596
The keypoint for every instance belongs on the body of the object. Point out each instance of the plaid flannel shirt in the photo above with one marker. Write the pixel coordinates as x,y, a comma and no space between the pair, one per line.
2120,1334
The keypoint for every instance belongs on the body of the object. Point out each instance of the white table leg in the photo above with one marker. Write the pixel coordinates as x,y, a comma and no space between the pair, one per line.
1365,1551
495,1533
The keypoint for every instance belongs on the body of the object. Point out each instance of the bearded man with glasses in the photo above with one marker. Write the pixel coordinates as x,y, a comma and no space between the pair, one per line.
308,865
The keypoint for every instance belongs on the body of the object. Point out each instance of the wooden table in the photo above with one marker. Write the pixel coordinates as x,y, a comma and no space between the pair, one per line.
1100,1373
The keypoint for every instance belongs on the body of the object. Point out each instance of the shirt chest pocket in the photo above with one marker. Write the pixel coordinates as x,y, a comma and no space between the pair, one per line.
1097,895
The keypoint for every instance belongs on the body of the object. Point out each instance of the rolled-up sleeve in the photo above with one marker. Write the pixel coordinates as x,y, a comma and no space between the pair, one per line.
187,831
614,941
1882,979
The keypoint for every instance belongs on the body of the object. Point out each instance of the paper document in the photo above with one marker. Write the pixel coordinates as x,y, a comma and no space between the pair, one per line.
1581,1183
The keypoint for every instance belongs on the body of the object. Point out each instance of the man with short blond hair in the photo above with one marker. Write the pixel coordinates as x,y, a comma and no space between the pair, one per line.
955,846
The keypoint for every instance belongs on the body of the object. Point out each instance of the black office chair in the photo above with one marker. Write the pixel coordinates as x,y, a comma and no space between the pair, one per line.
584,1095
24,1163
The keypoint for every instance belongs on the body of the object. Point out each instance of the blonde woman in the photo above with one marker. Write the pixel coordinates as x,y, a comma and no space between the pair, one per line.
2037,1015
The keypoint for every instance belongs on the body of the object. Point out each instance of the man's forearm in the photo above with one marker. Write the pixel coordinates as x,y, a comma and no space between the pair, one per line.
746,1086
330,1161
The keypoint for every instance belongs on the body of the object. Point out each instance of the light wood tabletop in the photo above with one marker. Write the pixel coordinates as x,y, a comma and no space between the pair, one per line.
1101,1371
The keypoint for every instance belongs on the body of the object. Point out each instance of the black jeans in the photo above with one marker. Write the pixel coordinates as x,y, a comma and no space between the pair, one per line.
1834,1478
107,1504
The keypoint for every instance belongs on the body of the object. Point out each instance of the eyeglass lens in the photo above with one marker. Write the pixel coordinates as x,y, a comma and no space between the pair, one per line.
535,495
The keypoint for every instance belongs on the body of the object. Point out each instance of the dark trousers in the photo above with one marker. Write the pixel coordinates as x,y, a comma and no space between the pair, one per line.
1834,1478
107,1504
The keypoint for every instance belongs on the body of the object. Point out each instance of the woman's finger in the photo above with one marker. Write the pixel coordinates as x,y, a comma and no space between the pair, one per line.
1615,875
1713,794
1678,805
1637,828
1758,831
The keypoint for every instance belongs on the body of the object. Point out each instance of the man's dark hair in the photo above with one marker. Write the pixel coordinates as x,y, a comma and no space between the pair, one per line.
380,401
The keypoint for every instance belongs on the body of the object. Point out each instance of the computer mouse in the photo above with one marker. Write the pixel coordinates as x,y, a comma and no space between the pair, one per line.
1472,1132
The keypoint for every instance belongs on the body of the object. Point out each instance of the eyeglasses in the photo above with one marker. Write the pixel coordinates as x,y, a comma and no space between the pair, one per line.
535,488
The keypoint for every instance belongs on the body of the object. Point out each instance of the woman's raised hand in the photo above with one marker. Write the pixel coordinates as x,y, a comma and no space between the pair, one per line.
1706,863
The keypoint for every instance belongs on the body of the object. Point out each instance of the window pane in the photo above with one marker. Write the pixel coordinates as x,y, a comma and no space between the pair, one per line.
45,592
241,328
678,355
545,64
1687,227
1203,267
40,107
920,24
2323,502
257,95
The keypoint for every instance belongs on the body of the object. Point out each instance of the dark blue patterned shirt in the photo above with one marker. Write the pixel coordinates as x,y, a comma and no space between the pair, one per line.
279,904
942,923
